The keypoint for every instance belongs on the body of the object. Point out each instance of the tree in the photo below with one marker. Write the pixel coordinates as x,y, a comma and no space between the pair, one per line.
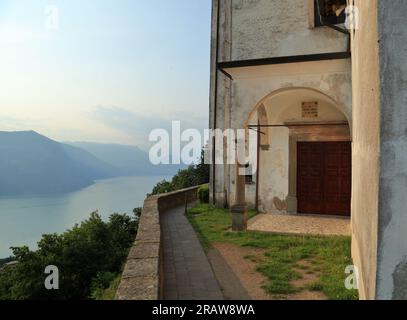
190,177
89,253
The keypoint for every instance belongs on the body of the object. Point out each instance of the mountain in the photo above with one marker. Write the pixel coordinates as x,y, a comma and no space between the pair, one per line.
95,166
129,160
32,164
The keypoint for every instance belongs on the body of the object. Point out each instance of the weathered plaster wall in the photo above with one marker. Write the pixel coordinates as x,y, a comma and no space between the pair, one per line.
274,167
248,29
281,89
392,251
287,107
263,28
213,85
379,220
271,28
252,85
219,105
365,71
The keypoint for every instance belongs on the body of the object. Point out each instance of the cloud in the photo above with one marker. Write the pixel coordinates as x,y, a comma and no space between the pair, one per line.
133,124
139,125
8,123
18,35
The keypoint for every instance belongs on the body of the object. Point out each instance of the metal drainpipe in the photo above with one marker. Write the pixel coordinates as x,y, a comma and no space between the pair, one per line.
321,20
215,106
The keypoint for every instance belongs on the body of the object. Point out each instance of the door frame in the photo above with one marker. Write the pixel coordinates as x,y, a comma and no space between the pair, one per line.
318,133
324,206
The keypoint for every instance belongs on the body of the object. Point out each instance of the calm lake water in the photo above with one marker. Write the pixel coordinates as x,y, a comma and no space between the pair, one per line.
24,220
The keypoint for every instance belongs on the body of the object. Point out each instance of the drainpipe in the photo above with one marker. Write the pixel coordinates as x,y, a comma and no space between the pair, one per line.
334,27
215,105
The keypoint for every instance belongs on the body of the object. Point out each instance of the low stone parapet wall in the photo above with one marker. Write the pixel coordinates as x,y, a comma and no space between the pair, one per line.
141,278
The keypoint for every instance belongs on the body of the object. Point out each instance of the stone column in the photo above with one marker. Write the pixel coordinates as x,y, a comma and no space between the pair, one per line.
292,200
239,209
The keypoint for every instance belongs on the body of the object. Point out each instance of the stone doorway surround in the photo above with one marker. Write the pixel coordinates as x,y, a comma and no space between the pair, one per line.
304,132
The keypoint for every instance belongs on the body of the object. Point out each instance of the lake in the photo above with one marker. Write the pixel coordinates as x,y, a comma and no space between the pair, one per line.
24,220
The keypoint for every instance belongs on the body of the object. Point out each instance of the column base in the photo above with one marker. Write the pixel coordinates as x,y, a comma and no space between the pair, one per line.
239,218
292,205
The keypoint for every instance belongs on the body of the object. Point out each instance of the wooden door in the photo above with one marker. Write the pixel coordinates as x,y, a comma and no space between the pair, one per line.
324,177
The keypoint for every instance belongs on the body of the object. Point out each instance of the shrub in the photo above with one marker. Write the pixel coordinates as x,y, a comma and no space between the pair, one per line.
203,194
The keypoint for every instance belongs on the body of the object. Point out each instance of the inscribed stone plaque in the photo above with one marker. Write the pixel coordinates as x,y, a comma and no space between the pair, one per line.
310,110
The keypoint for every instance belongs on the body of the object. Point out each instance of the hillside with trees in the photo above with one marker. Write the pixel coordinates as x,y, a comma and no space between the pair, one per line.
90,257
192,176
32,164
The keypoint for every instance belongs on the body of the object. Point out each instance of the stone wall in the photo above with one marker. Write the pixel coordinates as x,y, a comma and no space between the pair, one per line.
142,275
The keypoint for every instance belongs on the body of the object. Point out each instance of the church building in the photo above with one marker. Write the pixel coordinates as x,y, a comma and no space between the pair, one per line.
323,84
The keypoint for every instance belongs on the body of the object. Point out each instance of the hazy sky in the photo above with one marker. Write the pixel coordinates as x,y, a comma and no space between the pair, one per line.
103,70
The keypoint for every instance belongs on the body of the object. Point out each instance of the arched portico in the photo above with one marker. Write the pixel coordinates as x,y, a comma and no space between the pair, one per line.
301,124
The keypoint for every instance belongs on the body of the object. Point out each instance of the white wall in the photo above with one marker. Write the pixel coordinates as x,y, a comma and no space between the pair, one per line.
274,171
282,88
250,29
253,84
272,28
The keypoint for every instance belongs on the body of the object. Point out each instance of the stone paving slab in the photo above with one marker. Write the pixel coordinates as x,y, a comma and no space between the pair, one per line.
187,273
301,224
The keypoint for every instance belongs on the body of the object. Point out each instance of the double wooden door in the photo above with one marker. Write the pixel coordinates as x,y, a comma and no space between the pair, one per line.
324,176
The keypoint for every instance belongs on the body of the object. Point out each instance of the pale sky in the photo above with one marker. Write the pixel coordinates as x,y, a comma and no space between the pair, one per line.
103,70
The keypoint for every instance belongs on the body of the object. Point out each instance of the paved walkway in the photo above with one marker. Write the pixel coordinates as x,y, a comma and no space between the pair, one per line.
300,224
187,272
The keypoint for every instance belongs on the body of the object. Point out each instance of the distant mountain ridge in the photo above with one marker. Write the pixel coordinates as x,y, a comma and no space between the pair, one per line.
97,167
130,160
32,164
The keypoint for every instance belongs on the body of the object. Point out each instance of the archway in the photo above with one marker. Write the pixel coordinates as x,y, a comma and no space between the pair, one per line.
302,123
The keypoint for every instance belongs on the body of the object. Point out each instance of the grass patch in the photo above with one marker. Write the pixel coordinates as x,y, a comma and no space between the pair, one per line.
328,256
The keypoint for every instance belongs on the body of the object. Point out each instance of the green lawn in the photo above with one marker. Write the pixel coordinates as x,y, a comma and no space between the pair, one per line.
284,255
